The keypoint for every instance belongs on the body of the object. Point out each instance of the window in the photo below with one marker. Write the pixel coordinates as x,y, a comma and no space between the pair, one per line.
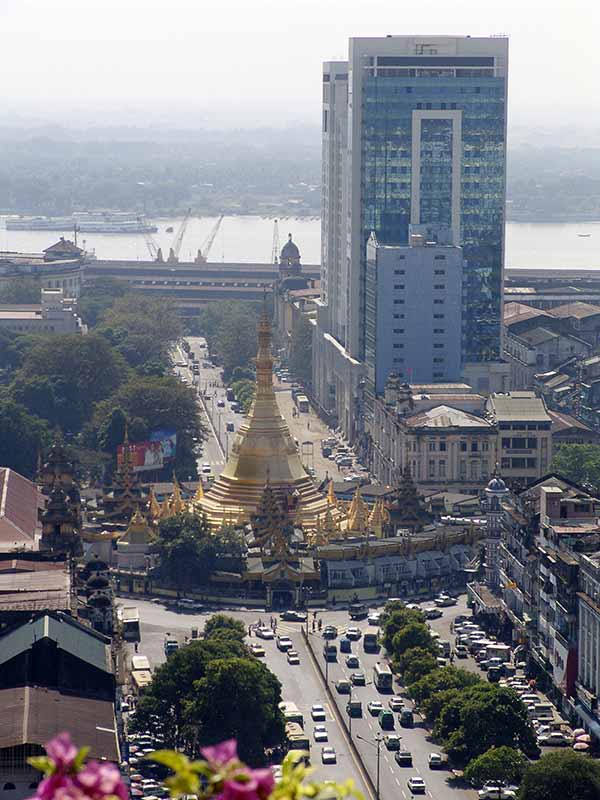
505,463
439,286
399,361
463,469
399,272
485,446
463,447
519,463
532,444
398,346
325,121
438,360
440,272
398,286
439,258
438,302
506,443
432,469
443,446
398,316
9,786
398,330
442,469
398,302
519,444
531,463
432,446
439,330
438,345
439,316
474,447
438,374
474,470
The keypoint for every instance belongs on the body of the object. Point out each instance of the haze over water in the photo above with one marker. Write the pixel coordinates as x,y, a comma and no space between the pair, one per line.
250,239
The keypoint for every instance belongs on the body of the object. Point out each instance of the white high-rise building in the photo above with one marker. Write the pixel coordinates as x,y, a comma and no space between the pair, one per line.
414,133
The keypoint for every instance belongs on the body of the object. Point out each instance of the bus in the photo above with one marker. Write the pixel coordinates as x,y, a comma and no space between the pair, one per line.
291,713
302,403
382,677
296,738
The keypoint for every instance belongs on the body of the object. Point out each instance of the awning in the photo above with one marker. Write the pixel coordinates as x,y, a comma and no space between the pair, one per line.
591,723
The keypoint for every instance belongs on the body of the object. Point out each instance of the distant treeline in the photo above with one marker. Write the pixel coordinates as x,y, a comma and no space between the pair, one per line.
56,171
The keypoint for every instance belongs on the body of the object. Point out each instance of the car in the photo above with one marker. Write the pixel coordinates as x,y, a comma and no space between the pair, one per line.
407,718
265,633
257,650
416,785
396,703
358,679
353,634
229,427
317,712
492,791
352,662
461,651
432,613
206,469
554,739
444,600
284,643
374,619
375,707
345,645
292,657
435,760
411,606
330,632
320,733
392,741
293,616
386,720
343,686
404,758
328,755
221,403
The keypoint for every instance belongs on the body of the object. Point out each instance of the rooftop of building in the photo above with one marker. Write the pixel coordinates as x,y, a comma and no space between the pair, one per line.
578,310
539,335
518,407
553,379
518,312
19,502
34,715
446,417
440,388
562,422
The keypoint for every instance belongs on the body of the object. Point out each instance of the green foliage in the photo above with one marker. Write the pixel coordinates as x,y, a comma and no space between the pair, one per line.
482,716
223,622
239,698
395,617
242,374
97,297
301,351
415,663
501,765
81,369
244,393
21,291
414,634
186,551
231,332
558,776
426,690
22,438
579,463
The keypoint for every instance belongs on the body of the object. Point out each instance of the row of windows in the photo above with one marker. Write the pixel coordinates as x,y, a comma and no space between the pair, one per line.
519,463
519,443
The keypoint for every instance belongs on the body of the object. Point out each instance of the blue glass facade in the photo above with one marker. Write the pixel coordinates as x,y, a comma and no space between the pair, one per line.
388,102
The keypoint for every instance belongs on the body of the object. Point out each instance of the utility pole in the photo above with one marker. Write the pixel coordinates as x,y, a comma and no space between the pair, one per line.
377,745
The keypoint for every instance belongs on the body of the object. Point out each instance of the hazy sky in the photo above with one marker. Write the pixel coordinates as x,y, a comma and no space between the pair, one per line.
258,62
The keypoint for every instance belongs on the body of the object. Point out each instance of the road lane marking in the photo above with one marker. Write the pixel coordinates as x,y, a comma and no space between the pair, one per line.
397,781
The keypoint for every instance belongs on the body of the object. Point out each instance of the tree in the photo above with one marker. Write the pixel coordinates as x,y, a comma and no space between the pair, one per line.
416,663
244,393
415,634
579,463
186,552
222,622
97,297
301,351
427,689
21,291
22,438
482,716
395,617
231,332
561,775
501,765
239,698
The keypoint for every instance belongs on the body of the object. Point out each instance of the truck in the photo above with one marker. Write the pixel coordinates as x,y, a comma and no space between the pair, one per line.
130,622
302,403
171,645
358,611
496,650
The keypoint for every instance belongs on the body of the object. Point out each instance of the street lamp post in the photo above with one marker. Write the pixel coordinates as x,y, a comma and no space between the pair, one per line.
377,745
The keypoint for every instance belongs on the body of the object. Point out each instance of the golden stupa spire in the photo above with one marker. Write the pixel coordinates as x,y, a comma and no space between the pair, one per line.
378,517
199,491
153,505
331,529
177,503
331,498
358,514
165,509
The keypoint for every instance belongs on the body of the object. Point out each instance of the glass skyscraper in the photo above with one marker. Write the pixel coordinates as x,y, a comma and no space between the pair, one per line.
423,142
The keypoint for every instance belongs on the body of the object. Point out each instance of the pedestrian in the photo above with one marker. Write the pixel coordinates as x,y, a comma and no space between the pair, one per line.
314,624
308,425
250,631
136,645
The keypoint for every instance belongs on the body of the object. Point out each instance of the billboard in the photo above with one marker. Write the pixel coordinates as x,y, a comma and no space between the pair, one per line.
155,453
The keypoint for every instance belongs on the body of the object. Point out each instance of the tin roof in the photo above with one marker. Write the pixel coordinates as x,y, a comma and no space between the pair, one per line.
518,406
446,417
19,500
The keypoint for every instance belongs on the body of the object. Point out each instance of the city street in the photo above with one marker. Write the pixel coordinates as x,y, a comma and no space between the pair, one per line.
304,686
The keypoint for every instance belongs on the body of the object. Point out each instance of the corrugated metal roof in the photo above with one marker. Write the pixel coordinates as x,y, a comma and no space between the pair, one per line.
577,309
446,417
18,509
78,640
519,407
34,715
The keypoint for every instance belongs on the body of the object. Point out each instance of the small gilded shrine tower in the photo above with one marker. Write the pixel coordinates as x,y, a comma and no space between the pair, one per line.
263,452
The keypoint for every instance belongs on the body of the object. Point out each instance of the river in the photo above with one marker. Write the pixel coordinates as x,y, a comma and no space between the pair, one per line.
250,238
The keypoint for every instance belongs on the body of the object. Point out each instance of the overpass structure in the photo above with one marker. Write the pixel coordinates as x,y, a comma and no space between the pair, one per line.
192,284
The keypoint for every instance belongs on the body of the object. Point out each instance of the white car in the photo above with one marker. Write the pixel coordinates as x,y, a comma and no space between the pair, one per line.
373,619
353,634
416,785
554,739
293,658
396,703
257,650
317,712
265,633
375,707
492,791
328,755
320,733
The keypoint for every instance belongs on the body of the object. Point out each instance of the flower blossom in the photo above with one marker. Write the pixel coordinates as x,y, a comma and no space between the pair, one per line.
219,755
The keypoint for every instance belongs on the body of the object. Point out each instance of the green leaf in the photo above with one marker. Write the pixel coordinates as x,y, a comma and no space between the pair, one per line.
42,763
170,758
80,758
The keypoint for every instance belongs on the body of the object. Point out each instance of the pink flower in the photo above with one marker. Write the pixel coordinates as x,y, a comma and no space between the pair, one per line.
248,785
58,787
221,754
265,780
62,751
98,780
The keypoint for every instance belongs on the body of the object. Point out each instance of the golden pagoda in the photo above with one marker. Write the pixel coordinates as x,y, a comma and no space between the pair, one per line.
177,504
358,514
263,452
378,518
154,507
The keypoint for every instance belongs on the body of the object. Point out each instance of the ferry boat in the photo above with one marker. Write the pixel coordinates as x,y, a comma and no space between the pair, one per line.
86,222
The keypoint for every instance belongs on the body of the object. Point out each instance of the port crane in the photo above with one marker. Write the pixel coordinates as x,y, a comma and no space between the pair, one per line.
153,248
275,250
202,256
178,241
